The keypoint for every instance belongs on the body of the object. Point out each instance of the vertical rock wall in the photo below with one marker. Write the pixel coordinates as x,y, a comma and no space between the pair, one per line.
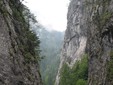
100,41
13,68
75,36
90,30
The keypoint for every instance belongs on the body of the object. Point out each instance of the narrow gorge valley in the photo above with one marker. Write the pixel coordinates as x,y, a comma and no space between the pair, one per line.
34,54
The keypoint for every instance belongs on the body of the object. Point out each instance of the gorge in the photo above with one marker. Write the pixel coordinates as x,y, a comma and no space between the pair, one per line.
87,51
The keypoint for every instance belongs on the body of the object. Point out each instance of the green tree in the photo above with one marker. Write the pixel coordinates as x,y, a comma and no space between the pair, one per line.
78,75
51,43
81,82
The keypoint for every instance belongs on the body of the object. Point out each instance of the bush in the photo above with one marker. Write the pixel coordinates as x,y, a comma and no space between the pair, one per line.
81,82
110,68
78,75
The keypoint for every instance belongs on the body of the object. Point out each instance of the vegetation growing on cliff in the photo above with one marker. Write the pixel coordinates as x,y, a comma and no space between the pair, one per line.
23,49
78,75
101,18
110,68
28,41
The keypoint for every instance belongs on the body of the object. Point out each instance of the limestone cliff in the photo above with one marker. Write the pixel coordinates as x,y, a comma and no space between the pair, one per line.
100,41
75,36
17,58
90,30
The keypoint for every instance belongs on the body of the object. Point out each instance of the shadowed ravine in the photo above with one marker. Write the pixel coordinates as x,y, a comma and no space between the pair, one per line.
30,54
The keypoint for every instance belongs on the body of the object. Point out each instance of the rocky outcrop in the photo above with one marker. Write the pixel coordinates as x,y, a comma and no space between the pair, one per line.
100,41
75,36
14,66
90,30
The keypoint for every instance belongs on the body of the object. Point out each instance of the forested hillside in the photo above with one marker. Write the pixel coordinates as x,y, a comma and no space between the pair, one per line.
51,43
30,54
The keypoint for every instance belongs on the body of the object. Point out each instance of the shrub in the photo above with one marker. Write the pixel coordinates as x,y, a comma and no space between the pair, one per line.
81,82
78,75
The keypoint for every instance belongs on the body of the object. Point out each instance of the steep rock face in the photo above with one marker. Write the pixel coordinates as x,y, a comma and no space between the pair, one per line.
75,36
90,30
100,41
13,68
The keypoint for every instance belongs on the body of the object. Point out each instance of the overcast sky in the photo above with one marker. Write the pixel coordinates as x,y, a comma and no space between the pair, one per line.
51,14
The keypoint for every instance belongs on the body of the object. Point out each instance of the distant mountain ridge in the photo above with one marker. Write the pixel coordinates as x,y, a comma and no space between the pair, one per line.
51,44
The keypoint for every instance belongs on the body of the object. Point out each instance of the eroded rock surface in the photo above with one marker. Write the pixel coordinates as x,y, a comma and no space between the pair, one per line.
90,30
13,68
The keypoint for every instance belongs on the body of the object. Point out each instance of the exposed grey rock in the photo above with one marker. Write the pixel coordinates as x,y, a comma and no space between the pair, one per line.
100,42
75,36
13,70
90,30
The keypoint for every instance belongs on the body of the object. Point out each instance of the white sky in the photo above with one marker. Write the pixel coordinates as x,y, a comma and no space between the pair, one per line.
52,14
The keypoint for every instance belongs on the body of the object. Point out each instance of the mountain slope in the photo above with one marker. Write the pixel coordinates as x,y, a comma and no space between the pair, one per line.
89,31
18,61
51,43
